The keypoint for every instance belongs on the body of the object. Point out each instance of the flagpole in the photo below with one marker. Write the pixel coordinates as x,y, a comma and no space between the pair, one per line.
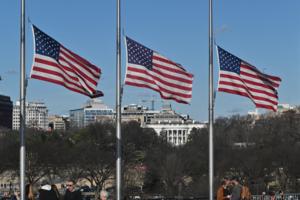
22,101
118,107
210,107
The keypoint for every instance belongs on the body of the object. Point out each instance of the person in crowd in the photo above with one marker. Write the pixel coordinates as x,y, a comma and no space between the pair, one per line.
29,192
5,196
223,192
46,192
103,195
272,195
263,196
246,194
71,192
15,196
236,189
281,194
55,189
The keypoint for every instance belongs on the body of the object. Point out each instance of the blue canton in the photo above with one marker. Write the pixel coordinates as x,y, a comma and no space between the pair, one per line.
229,62
139,54
45,45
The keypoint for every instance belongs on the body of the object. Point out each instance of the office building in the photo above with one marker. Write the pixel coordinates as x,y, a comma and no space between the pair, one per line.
94,110
58,122
36,115
6,108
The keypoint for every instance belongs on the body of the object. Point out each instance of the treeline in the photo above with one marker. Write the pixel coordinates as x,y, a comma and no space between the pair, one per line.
263,152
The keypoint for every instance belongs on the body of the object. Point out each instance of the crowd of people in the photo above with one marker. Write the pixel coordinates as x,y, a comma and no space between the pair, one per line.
230,189
233,189
51,192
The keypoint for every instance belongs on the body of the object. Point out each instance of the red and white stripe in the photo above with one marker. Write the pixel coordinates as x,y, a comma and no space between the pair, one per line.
166,77
259,87
71,71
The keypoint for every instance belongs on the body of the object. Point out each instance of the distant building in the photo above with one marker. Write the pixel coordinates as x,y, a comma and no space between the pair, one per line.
77,118
6,109
36,115
58,122
141,114
9,182
281,109
166,122
174,127
284,107
253,113
91,112
240,145
167,115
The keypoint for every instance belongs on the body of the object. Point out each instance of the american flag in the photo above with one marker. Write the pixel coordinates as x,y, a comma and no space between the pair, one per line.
54,63
148,69
239,77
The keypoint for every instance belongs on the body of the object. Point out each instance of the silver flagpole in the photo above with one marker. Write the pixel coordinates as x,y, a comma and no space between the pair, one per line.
210,108
22,101
118,108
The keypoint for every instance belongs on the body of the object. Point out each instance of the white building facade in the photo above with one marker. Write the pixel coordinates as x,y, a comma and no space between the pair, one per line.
175,133
36,115
174,127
